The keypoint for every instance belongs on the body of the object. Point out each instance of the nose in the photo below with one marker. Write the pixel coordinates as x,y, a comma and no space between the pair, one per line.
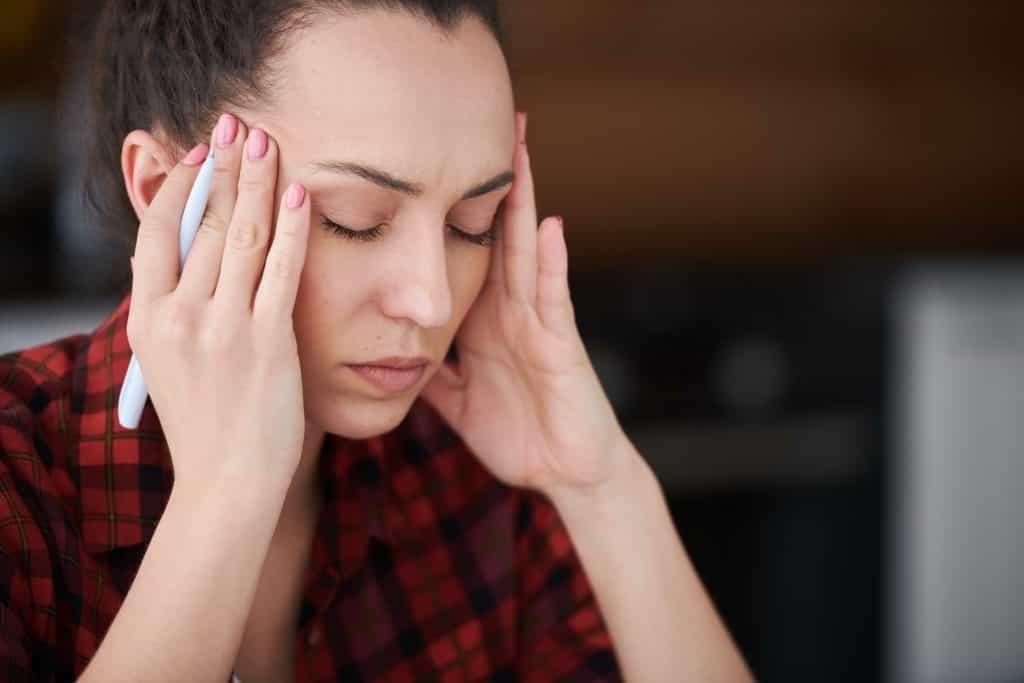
418,289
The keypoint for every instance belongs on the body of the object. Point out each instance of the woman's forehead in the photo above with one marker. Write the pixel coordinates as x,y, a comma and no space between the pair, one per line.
393,91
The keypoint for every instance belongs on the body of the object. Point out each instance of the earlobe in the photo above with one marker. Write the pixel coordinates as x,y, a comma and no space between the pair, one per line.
145,162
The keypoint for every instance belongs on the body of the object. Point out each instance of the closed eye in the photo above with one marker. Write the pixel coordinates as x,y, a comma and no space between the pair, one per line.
370,234
367,235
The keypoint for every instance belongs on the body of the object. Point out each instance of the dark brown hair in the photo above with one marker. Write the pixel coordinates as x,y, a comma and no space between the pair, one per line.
175,64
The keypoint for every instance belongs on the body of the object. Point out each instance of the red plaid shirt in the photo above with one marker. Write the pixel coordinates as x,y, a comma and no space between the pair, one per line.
424,566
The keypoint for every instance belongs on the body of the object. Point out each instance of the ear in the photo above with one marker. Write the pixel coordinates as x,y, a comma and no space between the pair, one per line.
145,162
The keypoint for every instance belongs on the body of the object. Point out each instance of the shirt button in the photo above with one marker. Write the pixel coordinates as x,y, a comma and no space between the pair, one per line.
314,635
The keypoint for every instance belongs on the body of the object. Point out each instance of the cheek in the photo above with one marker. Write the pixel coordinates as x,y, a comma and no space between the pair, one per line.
467,272
325,299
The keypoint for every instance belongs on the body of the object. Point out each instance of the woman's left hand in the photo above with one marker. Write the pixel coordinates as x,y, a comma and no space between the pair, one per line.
524,397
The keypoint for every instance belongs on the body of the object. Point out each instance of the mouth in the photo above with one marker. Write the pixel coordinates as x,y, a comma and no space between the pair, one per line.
392,375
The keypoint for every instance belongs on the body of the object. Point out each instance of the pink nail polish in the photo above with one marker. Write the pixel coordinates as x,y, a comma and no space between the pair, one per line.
227,129
257,144
196,156
295,196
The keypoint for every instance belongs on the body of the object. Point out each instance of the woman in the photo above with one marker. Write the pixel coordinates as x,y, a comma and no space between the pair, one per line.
338,497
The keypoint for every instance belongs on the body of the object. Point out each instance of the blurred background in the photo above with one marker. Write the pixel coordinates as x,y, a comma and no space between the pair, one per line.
795,233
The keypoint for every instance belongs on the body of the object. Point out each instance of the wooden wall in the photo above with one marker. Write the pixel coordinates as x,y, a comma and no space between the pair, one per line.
736,130
796,129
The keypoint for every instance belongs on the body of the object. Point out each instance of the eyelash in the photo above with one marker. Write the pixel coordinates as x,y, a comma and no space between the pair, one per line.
483,239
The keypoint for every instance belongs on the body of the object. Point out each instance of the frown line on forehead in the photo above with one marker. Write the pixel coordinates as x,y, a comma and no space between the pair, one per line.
390,182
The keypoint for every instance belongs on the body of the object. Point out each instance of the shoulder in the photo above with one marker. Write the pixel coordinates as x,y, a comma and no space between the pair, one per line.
35,378
34,416
37,409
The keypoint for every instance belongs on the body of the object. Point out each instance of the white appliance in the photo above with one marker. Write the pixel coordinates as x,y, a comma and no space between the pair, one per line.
954,590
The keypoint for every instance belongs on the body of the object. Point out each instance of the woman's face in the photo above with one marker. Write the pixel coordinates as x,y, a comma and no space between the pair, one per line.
389,92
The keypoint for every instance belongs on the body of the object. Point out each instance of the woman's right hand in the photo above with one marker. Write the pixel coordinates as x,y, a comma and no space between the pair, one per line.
217,346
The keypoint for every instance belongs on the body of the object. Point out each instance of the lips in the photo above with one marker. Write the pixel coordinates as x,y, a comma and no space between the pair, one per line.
391,375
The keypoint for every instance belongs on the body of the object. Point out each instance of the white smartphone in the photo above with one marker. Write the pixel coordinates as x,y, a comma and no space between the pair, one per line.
134,392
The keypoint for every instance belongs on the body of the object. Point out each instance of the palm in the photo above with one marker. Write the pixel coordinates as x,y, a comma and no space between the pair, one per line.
525,398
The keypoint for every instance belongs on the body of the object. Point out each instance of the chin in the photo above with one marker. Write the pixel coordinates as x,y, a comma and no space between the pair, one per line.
361,418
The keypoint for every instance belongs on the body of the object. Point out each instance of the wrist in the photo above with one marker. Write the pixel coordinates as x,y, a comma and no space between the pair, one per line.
241,489
629,475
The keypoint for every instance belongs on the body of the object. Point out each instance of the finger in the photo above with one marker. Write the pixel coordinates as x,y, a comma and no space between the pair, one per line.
248,235
519,228
554,305
447,394
279,284
496,269
156,268
202,266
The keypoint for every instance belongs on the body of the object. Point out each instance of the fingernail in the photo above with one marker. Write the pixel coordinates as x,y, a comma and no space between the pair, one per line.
227,129
294,197
196,156
521,126
257,144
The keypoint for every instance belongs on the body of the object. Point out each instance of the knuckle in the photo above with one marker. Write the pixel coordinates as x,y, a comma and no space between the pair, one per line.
253,184
216,338
273,345
287,228
223,169
149,228
177,324
245,235
213,223
279,267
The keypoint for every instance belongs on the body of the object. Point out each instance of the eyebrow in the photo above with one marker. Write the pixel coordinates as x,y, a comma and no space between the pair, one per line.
390,182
